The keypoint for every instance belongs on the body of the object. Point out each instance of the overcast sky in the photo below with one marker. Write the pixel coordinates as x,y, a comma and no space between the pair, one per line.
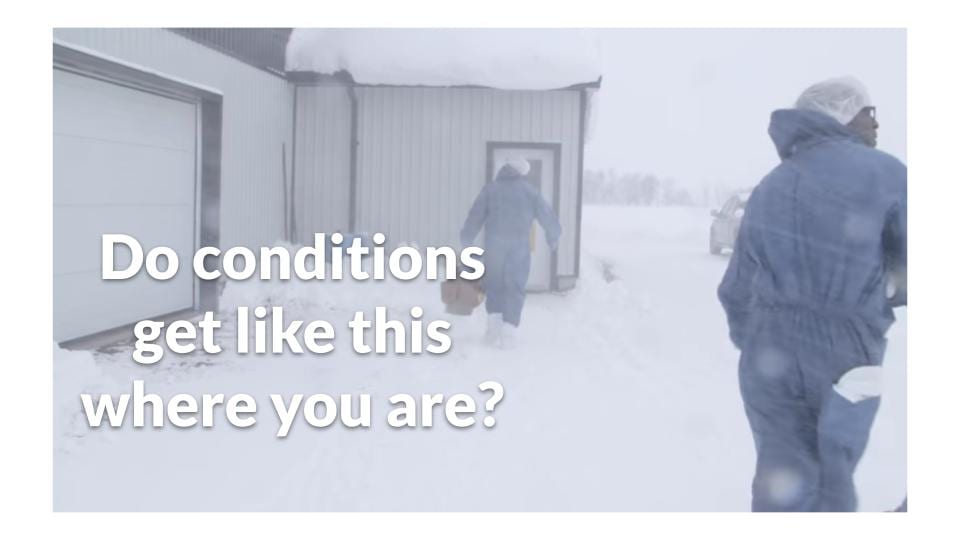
695,104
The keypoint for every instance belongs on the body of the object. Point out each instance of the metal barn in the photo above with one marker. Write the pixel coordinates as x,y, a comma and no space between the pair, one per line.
195,137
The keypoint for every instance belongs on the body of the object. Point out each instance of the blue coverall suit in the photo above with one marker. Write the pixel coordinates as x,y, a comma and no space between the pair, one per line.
506,209
806,297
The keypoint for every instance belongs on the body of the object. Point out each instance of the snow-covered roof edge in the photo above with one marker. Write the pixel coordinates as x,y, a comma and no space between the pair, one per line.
518,59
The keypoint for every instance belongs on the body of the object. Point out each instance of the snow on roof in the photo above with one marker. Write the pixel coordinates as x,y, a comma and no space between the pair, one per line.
529,59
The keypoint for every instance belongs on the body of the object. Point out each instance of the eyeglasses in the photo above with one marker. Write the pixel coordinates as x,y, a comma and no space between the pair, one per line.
871,111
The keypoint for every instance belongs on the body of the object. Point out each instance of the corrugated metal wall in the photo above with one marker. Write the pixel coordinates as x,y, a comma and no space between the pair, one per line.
422,156
322,160
257,120
264,48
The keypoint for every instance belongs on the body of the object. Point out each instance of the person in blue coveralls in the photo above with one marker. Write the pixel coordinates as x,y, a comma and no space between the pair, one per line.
506,209
818,266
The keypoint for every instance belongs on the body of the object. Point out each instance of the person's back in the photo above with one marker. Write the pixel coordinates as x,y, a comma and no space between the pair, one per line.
511,205
826,221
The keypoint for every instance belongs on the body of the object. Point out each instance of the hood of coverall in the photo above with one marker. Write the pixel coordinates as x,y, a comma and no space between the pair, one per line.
793,129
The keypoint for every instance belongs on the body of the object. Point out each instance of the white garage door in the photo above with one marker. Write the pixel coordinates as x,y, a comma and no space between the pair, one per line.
124,161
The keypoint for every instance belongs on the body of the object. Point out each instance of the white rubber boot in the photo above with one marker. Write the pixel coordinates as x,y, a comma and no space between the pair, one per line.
509,336
494,329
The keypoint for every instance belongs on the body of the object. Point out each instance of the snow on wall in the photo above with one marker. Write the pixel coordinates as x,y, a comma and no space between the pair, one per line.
518,59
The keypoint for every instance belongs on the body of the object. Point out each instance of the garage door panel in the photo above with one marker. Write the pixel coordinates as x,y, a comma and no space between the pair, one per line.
124,162
81,177
78,231
121,114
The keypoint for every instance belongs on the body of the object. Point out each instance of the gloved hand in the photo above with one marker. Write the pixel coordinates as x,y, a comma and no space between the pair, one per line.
860,383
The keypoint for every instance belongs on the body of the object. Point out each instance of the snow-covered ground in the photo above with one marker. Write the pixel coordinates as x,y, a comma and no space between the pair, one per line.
622,395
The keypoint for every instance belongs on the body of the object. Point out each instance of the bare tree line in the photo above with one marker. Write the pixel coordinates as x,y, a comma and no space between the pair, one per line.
610,187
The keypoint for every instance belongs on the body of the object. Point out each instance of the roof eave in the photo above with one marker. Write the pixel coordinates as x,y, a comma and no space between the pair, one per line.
313,78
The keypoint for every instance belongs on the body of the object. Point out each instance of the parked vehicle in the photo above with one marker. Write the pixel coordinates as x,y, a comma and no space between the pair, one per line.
726,222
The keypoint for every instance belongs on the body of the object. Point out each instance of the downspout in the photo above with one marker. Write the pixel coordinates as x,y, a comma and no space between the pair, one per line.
293,170
583,129
354,143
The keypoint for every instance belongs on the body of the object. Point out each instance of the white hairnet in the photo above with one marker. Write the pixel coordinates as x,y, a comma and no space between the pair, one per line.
518,164
840,98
